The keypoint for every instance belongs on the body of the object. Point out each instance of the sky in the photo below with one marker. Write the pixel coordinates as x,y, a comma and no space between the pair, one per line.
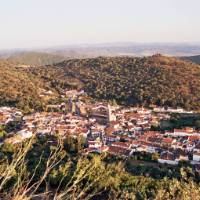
45,23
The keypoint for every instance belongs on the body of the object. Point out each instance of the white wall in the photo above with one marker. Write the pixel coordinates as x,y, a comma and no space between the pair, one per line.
170,162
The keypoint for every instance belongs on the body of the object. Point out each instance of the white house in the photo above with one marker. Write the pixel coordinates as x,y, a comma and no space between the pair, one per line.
151,149
168,158
94,144
196,156
25,134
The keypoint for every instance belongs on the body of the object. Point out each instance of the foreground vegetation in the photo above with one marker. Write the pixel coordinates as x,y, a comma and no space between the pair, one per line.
43,169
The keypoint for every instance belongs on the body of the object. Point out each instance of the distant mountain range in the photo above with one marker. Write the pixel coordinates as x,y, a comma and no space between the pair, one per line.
129,49
56,54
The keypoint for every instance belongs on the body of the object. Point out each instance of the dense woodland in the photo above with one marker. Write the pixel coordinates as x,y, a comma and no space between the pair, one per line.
156,80
20,88
149,80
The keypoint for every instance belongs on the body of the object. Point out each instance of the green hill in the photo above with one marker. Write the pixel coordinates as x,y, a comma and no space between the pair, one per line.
195,59
19,87
130,81
35,58
149,80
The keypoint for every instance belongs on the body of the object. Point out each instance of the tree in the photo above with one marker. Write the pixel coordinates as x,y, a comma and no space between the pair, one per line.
197,124
2,132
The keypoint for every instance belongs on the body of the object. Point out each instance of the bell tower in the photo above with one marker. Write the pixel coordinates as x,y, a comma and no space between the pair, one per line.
111,115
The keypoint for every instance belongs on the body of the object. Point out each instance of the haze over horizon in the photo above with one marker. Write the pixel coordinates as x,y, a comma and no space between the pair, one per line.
48,23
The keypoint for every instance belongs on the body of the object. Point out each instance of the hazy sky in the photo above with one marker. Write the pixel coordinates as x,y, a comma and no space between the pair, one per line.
41,23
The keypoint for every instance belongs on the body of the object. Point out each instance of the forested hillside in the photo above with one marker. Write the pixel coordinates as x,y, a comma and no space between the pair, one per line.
19,87
149,80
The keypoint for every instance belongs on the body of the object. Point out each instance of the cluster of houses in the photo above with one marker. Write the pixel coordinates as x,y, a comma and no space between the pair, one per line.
131,133
116,130
8,114
184,145
49,123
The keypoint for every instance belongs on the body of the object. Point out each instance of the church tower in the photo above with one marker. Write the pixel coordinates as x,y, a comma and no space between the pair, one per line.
111,115
71,106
